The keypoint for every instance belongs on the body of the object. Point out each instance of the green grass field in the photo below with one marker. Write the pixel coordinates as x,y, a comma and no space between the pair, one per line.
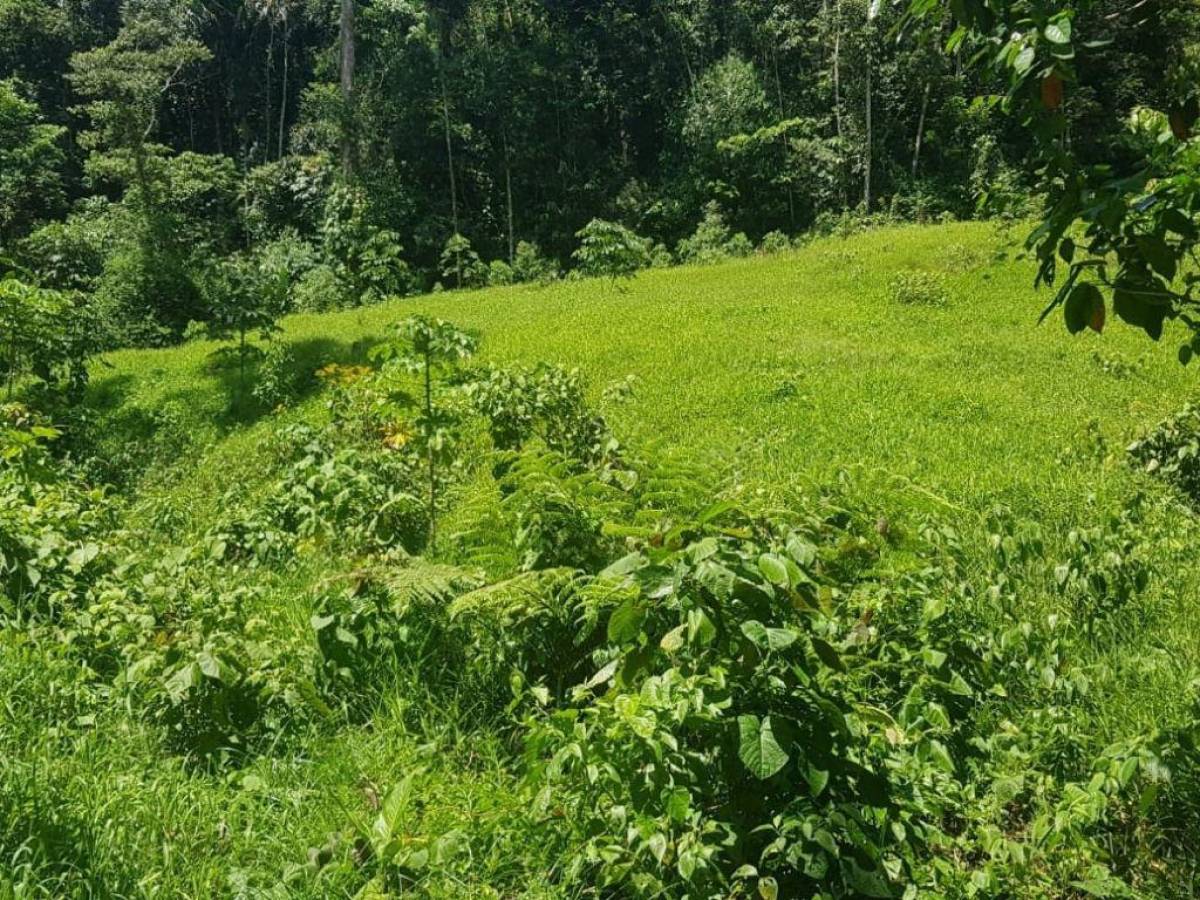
790,367
780,373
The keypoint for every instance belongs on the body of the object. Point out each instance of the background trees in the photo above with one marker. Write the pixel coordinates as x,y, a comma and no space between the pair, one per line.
510,121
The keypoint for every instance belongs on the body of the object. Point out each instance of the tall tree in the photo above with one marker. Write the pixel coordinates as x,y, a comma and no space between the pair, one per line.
347,42
125,83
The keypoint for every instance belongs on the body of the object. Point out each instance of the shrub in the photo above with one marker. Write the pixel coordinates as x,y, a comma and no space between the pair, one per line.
546,402
522,633
724,735
320,290
919,289
500,273
712,242
366,258
360,634
47,340
378,270
70,255
530,266
774,242
284,193
245,538
363,498
557,512
278,380
610,250
52,526
461,265
218,684
660,257
743,729
293,257
1171,450
739,246
145,298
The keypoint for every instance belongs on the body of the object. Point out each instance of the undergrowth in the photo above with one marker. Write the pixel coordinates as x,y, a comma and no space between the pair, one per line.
611,671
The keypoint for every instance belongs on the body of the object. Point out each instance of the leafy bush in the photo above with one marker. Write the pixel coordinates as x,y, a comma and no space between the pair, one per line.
712,242
461,265
145,299
500,273
660,257
731,741
610,250
278,380
1172,451
530,266
292,257
285,193
546,402
739,246
359,634
245,538
52,526
320,290
218,684
362,498
919,289
70,255
558,512
47,339
366,258
745,729
521,634
774,242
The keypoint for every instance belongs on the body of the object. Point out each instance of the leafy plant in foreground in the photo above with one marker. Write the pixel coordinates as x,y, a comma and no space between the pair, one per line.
43,338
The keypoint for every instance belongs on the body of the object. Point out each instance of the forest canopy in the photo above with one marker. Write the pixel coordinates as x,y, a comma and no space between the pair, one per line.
369,149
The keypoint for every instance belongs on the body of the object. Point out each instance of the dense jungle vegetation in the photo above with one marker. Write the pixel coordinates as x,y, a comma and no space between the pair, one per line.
557,449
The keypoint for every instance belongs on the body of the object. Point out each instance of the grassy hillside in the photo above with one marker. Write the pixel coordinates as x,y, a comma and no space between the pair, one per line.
794,365
789,379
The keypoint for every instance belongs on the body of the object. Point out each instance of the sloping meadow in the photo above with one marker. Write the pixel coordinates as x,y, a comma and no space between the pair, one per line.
491,640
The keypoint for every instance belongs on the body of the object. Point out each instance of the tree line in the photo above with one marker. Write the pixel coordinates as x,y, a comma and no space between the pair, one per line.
172,159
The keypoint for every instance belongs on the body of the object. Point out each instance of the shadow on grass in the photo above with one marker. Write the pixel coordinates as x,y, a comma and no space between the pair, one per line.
122,435
243,408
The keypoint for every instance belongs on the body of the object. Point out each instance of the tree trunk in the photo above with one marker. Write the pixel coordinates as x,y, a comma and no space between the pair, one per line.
283,99
268,116
868,161
837,68
921,130
347,41
429,451
512,252
449,147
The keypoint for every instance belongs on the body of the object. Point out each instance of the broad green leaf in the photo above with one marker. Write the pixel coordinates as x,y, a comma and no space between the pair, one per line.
1059,31
828,655
209,665
817,780
625,623
673,640
624,566
758,750
1082,306
768,638
773,569
701,630
678,804
1024,61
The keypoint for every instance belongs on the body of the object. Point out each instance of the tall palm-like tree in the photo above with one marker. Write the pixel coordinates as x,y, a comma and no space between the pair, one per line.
277,13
